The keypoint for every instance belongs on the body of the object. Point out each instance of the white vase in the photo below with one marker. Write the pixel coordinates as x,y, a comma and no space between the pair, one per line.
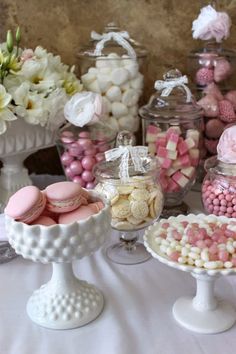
16,144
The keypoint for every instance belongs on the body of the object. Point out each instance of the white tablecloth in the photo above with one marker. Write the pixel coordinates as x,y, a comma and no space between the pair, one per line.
137,317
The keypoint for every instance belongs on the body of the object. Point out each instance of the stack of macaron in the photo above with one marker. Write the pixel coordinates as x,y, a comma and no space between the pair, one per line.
79,153
59,203
219,112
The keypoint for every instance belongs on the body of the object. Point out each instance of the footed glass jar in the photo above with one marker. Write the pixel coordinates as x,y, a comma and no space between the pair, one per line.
136,202
219,188
172,123
212,70
112,65
81,148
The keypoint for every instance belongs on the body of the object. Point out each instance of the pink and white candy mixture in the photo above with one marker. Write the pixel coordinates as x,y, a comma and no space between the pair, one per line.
207,243
80,154
177,154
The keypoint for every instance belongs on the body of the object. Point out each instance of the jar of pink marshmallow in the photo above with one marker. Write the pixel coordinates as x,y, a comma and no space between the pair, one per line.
172,123
219,185
212,69
81,143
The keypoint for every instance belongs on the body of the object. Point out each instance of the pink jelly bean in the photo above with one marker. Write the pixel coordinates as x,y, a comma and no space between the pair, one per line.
177,235
213,249
84,135
200,244
208,242
66,158
76,167
90,185
79,180
174,256
223,255
87,176
85,143
88,162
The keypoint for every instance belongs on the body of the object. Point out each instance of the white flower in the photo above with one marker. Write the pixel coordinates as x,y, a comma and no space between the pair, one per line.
83,108
54,104
5,112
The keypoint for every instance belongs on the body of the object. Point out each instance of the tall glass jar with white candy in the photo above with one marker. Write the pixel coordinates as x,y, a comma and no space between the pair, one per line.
172,123
112,64
130,180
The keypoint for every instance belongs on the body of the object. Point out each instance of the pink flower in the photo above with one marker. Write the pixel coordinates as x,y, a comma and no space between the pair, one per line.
27,54
226,148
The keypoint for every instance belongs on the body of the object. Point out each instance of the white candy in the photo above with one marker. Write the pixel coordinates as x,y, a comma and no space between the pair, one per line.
135,124
133,110
119,109
93,71
199,263
230,248
106,105
169,251
130,97
112,123
158,240
126,122
228,264
174,243
205,255
114,93
211,265
190,261
165,242
132,69
196,250
119,76
104,82
114,60
105,71
163,248
88,78
94,87
184,251
125,86
182,260
194,255
137,83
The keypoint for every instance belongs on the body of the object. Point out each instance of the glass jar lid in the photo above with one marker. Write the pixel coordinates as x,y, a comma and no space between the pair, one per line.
172,100
213,49
125,156
112,41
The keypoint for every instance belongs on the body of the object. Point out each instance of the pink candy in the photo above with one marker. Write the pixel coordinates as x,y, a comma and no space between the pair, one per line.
80,155
178,156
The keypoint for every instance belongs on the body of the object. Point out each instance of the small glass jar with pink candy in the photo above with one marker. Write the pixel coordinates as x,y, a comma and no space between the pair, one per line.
80,149
212,70
112,64
219,185
171,123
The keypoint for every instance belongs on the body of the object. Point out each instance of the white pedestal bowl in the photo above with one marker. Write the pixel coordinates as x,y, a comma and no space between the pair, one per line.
203,313
65,302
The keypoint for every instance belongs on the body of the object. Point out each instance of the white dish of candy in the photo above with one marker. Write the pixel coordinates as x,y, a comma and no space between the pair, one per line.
206,247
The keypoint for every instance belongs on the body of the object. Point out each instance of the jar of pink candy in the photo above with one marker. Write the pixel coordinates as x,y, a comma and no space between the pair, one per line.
82,142
112,65
172,131
219,185
212,70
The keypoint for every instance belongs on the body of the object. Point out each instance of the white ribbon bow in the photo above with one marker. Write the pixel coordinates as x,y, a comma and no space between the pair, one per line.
168,85
119,37
124,152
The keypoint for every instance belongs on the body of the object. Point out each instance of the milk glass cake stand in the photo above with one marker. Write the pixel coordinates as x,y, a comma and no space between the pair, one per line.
64,302
203,313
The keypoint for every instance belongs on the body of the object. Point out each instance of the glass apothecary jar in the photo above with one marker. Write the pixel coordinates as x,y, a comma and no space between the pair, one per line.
81,148
112,64
171,124
130,180
219,188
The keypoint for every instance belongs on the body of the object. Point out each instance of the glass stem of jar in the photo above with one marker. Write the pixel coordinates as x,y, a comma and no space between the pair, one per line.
128,240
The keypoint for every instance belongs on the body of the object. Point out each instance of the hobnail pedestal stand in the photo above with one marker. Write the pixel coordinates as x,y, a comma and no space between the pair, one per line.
16,144
203,313
65,302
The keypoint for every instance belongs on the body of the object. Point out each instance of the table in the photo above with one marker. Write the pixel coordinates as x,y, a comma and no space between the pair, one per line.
137,316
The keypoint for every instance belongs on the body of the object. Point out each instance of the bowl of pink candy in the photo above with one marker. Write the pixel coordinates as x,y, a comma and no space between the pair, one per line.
204,246
219,185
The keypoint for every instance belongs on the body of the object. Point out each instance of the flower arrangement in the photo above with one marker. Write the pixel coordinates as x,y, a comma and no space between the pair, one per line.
34,85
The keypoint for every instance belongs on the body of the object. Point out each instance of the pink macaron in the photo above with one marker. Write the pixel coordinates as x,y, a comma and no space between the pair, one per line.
63,197
82,213
44,220
26,205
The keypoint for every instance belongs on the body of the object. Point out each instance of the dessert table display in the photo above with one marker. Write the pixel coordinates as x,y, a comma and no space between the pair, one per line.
203,313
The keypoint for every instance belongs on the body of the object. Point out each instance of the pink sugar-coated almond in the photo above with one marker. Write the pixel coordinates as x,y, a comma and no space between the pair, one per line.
210,106
201,244
213,249
87,163
204,76
44,220
223,255
76,167
66,158
79,180
214,128
26,204
63,197
79,214
174,256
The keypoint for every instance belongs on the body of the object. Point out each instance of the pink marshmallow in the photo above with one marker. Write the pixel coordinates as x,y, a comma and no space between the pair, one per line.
172,142
180,179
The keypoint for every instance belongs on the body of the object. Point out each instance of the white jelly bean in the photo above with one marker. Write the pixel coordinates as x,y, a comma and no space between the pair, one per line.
158,240
130,97
178,248
195,249
165,242
190,261
88,78
119,76
184,251
169,251
194,255
94,87
104,82
163,249
230,248
211,265
119,109
205,255
114,93
228,264
182,260
199,263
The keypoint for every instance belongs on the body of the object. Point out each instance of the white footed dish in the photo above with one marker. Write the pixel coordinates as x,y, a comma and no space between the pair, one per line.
64,302
202,313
